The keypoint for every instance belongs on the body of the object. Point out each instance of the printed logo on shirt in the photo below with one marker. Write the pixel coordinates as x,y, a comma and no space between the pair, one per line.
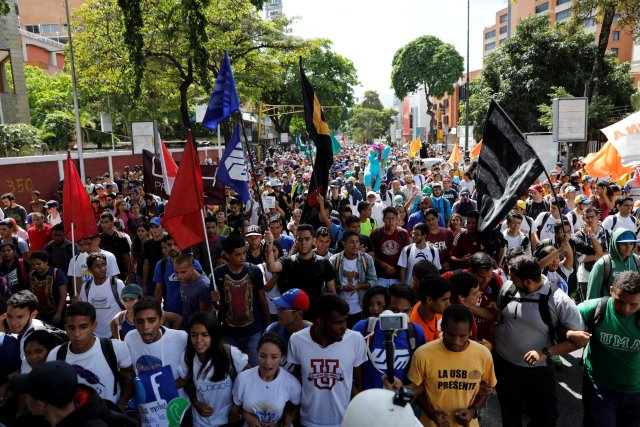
400,361
101,303
619,342
325,373
146,363
266,412
90,378
390,247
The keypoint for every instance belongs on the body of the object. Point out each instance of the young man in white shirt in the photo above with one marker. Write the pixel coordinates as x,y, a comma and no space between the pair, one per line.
514,237
417,251
329,359
103,293
102,364
22,309
78,266
623,219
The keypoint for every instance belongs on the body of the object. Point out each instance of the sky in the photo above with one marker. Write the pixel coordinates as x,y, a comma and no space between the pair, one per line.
370,32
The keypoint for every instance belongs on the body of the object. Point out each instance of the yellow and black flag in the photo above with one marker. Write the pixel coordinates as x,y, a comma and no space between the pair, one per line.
319,133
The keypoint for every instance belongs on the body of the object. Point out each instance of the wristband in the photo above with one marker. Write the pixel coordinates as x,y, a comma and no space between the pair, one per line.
546,352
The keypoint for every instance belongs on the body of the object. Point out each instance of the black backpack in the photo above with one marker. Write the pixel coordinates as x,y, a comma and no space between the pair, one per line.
598,315
543,307
109,354
606,275
114,289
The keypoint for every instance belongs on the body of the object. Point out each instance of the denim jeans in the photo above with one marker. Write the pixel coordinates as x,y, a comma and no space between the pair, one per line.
248,345
608,408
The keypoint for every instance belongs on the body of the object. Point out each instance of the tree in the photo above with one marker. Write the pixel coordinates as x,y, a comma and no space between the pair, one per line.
47,93
332,76
19,138
173,40
371,99
429,63
366,124
521,73
627,13
5,8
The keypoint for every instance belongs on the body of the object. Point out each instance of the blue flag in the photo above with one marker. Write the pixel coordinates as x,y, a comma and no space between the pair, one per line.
232,170
224,99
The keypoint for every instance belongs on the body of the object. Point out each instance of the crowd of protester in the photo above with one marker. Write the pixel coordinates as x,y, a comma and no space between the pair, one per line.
275,322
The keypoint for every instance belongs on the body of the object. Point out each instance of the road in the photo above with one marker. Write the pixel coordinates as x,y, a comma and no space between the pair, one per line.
569,391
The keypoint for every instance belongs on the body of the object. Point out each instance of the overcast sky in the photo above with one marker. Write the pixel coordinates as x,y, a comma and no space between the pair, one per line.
370,32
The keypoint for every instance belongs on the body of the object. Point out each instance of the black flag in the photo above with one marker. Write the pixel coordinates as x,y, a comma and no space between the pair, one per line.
507,166
152,172
319,133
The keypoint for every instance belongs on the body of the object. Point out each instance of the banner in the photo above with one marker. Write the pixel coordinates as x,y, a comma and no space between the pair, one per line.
158,400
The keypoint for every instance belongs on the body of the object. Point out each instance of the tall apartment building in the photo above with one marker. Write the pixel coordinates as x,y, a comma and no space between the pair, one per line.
273,9
620,40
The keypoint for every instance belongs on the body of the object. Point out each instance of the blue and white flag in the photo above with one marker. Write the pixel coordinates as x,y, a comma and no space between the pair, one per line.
224,99
232,170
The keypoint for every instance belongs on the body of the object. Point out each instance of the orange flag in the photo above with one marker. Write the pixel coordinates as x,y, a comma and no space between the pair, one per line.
456,155
475,153
414,147
606,162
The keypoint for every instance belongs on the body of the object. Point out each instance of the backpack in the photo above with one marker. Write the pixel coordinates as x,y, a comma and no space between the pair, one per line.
608,267
114,289
60,336
360,257
411,334
3,280
614,221
598,315
106,345
544,221
543,307
378,233
433,252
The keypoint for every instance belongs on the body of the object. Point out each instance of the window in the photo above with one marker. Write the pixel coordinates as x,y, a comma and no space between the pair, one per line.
503,30
490,46
614,50
504,18
559,2
33,28
615,35
542,7
489,35
49,28
565,14
616,17
6,72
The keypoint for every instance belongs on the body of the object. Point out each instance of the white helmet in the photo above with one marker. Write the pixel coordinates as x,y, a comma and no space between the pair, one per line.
378,408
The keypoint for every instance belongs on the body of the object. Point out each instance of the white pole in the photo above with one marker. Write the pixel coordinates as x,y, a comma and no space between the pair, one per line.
73,257
206,242
75,97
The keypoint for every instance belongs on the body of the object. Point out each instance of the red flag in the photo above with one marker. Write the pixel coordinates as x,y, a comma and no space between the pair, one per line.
182,217
76,207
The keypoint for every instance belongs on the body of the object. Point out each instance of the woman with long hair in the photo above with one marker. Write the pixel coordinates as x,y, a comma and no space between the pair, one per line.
143,234
374,301
122,213
455,224
268,395
212,367
603,199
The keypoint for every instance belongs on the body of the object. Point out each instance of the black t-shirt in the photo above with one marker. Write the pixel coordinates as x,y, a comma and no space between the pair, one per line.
119,247
534,209
152,251
236,222
310,275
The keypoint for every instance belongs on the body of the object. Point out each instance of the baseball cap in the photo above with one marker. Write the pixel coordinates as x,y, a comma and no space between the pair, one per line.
570,189
51,382
465,191
521,204
371,193
293,298
426,190
99,187
51,204
131,291
582,199
436,185
627,237
155,221
254,230
276,183
536,187
334,184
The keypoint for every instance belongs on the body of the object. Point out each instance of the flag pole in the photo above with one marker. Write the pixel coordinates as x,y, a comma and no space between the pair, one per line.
253,169
73,257
206,241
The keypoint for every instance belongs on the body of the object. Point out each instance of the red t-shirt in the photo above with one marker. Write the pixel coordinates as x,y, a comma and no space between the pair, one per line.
465,244
388,249
441,241
39,238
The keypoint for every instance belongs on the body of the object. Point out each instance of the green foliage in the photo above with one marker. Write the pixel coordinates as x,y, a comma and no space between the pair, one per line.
19,138
635,100
5,8
331,75
47,93
428,62
366,124
371,99
133,39
523,71
59,129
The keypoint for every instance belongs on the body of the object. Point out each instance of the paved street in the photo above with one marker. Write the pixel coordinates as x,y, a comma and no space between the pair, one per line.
569,395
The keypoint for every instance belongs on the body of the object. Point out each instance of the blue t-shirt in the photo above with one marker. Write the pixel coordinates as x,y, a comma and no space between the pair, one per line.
372,378
282,330
9,354
173,300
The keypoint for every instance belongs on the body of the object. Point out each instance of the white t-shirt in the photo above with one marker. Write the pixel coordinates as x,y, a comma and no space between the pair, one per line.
547,232
273,293
266,399
468,185
524,226
93,369
164,352
350,268
376,211
517,241
625,223
54,220
102,299
217,395
558,279
78,266
327,375
416,254
25,368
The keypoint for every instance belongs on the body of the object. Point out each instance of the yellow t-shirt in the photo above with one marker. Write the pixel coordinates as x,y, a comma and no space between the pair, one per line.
368,226
452,379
